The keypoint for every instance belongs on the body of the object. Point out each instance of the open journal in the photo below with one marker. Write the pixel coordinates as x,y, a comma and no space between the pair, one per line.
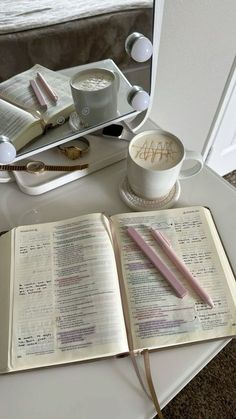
80,289
22,117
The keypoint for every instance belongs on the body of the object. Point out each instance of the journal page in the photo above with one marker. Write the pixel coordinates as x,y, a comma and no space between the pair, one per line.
67,304
158,317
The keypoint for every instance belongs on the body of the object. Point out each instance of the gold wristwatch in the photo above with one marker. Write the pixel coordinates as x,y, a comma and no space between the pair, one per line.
73,152
37,167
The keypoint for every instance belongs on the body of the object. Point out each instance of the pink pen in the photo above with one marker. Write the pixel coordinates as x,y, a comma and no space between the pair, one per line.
48,89
38,94
159,237
157,262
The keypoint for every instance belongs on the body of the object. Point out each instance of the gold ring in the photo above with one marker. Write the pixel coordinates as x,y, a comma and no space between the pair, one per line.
75,152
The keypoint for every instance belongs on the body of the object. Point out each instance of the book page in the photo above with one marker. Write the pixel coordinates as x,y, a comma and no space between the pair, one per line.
5,303
17,90
67,304
15,121
158,317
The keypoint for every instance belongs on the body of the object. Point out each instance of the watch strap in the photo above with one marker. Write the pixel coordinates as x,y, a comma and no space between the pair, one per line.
47,167
12,167
62,168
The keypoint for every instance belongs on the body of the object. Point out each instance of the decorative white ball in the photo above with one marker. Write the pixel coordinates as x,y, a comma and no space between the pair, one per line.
141,49
7,152
140,100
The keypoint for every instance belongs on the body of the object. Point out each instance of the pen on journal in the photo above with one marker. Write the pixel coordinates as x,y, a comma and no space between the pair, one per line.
157,262
38,94
163,242
48,89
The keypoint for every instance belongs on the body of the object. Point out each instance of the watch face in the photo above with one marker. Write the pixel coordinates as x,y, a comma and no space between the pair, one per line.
72,153
35,167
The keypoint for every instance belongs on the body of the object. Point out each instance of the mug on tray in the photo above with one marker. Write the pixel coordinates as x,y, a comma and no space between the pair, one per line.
95,95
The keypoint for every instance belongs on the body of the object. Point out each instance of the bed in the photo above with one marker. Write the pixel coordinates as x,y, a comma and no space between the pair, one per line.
67,33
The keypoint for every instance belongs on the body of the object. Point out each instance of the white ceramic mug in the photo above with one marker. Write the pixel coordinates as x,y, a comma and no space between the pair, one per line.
95,94
154,163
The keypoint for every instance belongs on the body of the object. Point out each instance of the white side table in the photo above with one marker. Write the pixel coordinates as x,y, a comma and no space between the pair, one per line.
108,389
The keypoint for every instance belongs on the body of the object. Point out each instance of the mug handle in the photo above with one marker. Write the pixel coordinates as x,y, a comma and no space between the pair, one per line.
192,155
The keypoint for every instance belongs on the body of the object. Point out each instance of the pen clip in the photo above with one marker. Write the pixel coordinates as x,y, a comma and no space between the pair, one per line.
165,239
160,237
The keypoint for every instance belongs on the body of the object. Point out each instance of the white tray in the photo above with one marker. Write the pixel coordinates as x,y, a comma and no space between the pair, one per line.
102,152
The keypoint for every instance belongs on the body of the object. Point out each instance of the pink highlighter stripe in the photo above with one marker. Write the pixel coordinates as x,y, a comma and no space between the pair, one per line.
157,262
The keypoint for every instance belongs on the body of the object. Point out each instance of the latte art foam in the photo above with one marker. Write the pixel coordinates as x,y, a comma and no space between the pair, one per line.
156,152
93,81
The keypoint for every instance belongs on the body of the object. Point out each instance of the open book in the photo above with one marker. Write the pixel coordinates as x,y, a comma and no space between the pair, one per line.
22,117
80,289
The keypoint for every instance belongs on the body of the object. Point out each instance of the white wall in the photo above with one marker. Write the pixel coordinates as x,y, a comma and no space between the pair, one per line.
197,48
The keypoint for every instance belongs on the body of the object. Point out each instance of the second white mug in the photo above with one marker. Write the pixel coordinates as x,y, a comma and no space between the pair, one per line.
154,163
95,95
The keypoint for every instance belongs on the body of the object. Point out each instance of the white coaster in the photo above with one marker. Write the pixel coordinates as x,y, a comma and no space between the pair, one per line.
76,125
141,204
74,122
